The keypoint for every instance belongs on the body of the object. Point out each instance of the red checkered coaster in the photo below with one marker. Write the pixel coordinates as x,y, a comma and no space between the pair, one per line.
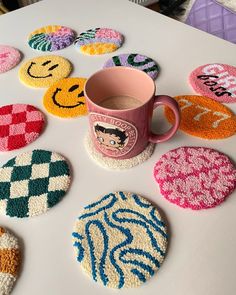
20,124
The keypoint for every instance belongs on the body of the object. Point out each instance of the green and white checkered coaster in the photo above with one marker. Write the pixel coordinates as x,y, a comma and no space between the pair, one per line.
33,182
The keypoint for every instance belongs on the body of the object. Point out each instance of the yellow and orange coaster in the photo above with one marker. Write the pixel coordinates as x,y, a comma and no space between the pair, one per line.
43,71
99,41
9,261
65,98
204,117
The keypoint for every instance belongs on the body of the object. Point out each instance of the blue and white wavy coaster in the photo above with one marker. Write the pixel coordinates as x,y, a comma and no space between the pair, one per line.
120,240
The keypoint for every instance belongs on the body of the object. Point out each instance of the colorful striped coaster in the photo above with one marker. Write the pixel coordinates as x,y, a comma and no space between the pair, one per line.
9,261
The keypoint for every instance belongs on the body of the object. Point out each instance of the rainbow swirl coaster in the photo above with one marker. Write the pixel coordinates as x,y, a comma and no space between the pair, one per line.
9,261
9,58
32,183
120,240
99,41
134,60
51,38
195,177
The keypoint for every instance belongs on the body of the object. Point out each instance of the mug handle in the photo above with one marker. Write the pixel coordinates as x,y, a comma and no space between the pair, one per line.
171,103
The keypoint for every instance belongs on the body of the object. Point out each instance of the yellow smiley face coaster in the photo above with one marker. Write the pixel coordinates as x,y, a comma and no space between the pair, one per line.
43,71
65,98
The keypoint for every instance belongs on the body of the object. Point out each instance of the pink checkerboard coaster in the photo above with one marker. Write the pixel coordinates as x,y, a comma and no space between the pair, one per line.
217,81
195,177
9,58
20,124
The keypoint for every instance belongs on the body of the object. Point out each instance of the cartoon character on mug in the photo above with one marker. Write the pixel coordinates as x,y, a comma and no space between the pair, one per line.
110,137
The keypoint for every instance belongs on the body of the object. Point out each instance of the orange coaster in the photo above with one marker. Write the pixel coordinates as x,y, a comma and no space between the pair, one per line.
65,98
204,117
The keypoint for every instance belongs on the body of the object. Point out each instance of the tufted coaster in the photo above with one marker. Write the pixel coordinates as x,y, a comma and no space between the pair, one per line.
134,60
217,81
120,240
51,38
204,117
32,183
195,177
43,71
9,58
65,98
9,261
99,41
115,164
20,124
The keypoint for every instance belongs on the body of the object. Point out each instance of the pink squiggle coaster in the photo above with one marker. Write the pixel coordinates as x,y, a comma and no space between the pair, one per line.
195,177
9,58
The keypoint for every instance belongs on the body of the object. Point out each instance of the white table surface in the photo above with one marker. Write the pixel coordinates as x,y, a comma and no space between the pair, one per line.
201,255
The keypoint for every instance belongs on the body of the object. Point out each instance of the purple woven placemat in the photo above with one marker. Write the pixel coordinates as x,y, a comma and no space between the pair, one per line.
214,18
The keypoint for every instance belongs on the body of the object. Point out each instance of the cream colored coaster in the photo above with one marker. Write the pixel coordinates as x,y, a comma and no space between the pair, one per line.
120,240
115,164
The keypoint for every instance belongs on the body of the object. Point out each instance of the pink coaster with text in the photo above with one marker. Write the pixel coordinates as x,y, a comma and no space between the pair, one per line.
217,81
9,58
195,177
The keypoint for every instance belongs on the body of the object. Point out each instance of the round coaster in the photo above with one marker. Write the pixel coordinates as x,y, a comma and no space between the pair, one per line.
43,71
217,81
32,183
203,117
20,124
65,98
115,164
9,58
195,177
99,41
51,38
134,60
10,261
120,240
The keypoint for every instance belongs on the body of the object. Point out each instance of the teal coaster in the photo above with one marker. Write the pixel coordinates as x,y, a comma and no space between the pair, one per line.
32,183
120,240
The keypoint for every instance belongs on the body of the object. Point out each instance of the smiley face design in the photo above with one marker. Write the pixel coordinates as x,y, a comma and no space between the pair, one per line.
65,98
43,71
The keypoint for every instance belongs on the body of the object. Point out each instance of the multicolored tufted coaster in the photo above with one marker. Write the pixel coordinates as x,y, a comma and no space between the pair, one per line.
65,98
195,177
99,41
51,38
9,261
204,117
20,124
134,60
115,164
217,81
32,183
120,240
9,58
43,71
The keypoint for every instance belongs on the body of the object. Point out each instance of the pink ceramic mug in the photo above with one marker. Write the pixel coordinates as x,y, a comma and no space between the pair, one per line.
125,133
